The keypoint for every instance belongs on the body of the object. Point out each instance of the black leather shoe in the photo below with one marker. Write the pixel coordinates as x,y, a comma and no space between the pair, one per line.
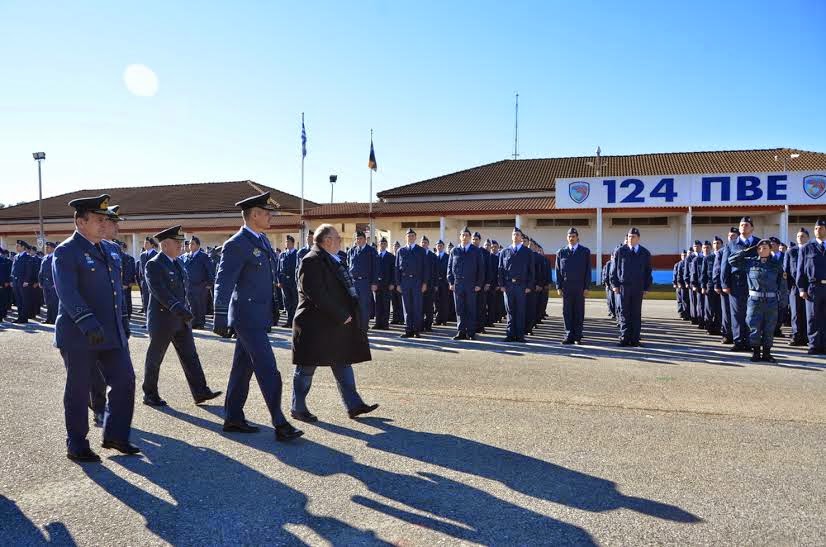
286,432
428,329
208,396
622,344
417,335
362,409
509,339
812,351
308,416
460,336
84,456
153,400
407,335
124,447
240,427
767,356
755,354
568,341
471,336
519,339
481,331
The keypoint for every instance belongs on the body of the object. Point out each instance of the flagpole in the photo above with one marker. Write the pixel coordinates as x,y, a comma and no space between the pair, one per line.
370,202
301,235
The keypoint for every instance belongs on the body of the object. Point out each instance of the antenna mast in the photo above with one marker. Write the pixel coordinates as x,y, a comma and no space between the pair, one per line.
516,129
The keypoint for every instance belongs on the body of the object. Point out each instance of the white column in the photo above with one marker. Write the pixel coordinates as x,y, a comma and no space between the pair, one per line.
518,221
442,223
688,241
135,252
784,225
599,244
3,242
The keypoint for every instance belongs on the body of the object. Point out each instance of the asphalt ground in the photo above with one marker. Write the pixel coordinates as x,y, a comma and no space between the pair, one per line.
677,442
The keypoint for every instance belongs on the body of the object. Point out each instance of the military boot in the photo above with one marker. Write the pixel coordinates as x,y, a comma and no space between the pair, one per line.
755,356
767,355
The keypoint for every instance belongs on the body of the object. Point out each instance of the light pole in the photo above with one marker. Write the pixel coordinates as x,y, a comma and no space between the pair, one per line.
784,225
41,240
333,179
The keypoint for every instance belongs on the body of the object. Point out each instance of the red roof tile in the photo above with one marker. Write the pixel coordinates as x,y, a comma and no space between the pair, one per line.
428,208
539,174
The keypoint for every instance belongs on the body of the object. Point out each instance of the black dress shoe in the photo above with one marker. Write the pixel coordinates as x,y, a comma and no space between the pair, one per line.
153,400
812,351
240,427
407,335
519,339
362,409
460,336
578,342
417,335
471,336
308,416
83,456
124,447
286,432
622,344
207,396
568,341
428,329
481,331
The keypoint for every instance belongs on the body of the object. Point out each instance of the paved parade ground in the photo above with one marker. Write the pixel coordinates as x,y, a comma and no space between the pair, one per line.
677,442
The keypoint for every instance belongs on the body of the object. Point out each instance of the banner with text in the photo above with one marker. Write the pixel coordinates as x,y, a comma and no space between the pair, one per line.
740,189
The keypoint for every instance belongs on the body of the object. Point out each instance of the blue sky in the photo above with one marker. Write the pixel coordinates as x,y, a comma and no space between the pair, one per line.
435,80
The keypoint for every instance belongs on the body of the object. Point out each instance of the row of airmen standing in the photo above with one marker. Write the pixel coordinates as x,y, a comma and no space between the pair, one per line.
746,288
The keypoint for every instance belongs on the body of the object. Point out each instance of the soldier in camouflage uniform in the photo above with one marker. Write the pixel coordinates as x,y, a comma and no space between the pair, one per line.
764,275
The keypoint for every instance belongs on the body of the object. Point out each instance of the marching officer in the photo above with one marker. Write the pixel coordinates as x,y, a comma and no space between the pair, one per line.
734,283
129,276
443,295
199,279
677,283
515,279
244,300
466,277
361,263
764,275
412,275
396,299
630,281
92,331
150,249
385,264
811,286
168,321
47,284
725,302
287,268
796,304
573,279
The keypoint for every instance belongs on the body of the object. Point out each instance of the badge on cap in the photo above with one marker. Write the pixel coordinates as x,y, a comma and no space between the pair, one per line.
746,220
262,201
634,232
572,231
170,233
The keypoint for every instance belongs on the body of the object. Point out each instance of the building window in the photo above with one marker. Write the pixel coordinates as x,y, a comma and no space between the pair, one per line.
562,222
804,220
715,221
414,225
494,223
640,221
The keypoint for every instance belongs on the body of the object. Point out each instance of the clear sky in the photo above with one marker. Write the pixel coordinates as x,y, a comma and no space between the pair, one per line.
435,80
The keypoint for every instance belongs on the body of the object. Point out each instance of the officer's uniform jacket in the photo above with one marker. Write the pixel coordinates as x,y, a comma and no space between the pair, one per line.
790,262
411,266
676,273
287,268
717,270
466,268
573,269
199,269
5,271
246,283
129,273
89,288
731,275
385,267
811,267
764,277
44,276
22,268
167,285
362,264
516,267
441,268
632,270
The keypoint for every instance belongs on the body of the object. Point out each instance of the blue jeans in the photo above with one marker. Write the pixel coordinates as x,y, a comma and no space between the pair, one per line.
345,380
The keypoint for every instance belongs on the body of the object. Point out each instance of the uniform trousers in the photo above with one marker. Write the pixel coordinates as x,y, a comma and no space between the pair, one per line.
797,307
144,296
761,317
383,298
515,302
711,307
412,302
52,303
609,298
630,309
365,295
573,312
184,345
116,367
428,301
20,300
816,318
197,296
289,293
530,310
398,307
345,381
465,300
481,309
253,355
725,316
738,303
443,298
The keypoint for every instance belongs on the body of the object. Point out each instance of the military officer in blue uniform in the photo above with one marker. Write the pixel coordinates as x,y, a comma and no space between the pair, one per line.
609,294
244,299
515,279
396,300
287,268
764,275
797,305
385,265
697,285
168,321
711,294
5,283
443,294
811,286
466,277
725,302
693,283
130,276
361,263
783,296
47,284
676,282
429,296
573,279
481,298
630,280
412,275
20,275
734,283
200,277
150,249
92,331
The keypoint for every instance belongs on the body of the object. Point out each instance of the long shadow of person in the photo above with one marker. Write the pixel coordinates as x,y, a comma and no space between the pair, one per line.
525,474
473,514
215,499
17,529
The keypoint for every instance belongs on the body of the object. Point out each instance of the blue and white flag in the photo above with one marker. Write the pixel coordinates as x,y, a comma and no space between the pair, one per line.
303,138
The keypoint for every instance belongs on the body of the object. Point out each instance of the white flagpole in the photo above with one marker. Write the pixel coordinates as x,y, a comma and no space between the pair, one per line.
370,202
301,230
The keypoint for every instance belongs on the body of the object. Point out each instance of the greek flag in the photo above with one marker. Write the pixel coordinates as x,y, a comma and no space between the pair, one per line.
303,138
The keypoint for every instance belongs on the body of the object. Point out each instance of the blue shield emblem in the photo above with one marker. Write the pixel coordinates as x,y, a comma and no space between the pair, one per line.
579,191
814,185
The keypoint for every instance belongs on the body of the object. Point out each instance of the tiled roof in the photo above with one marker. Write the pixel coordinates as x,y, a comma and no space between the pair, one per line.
539,174
480,206
200,198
